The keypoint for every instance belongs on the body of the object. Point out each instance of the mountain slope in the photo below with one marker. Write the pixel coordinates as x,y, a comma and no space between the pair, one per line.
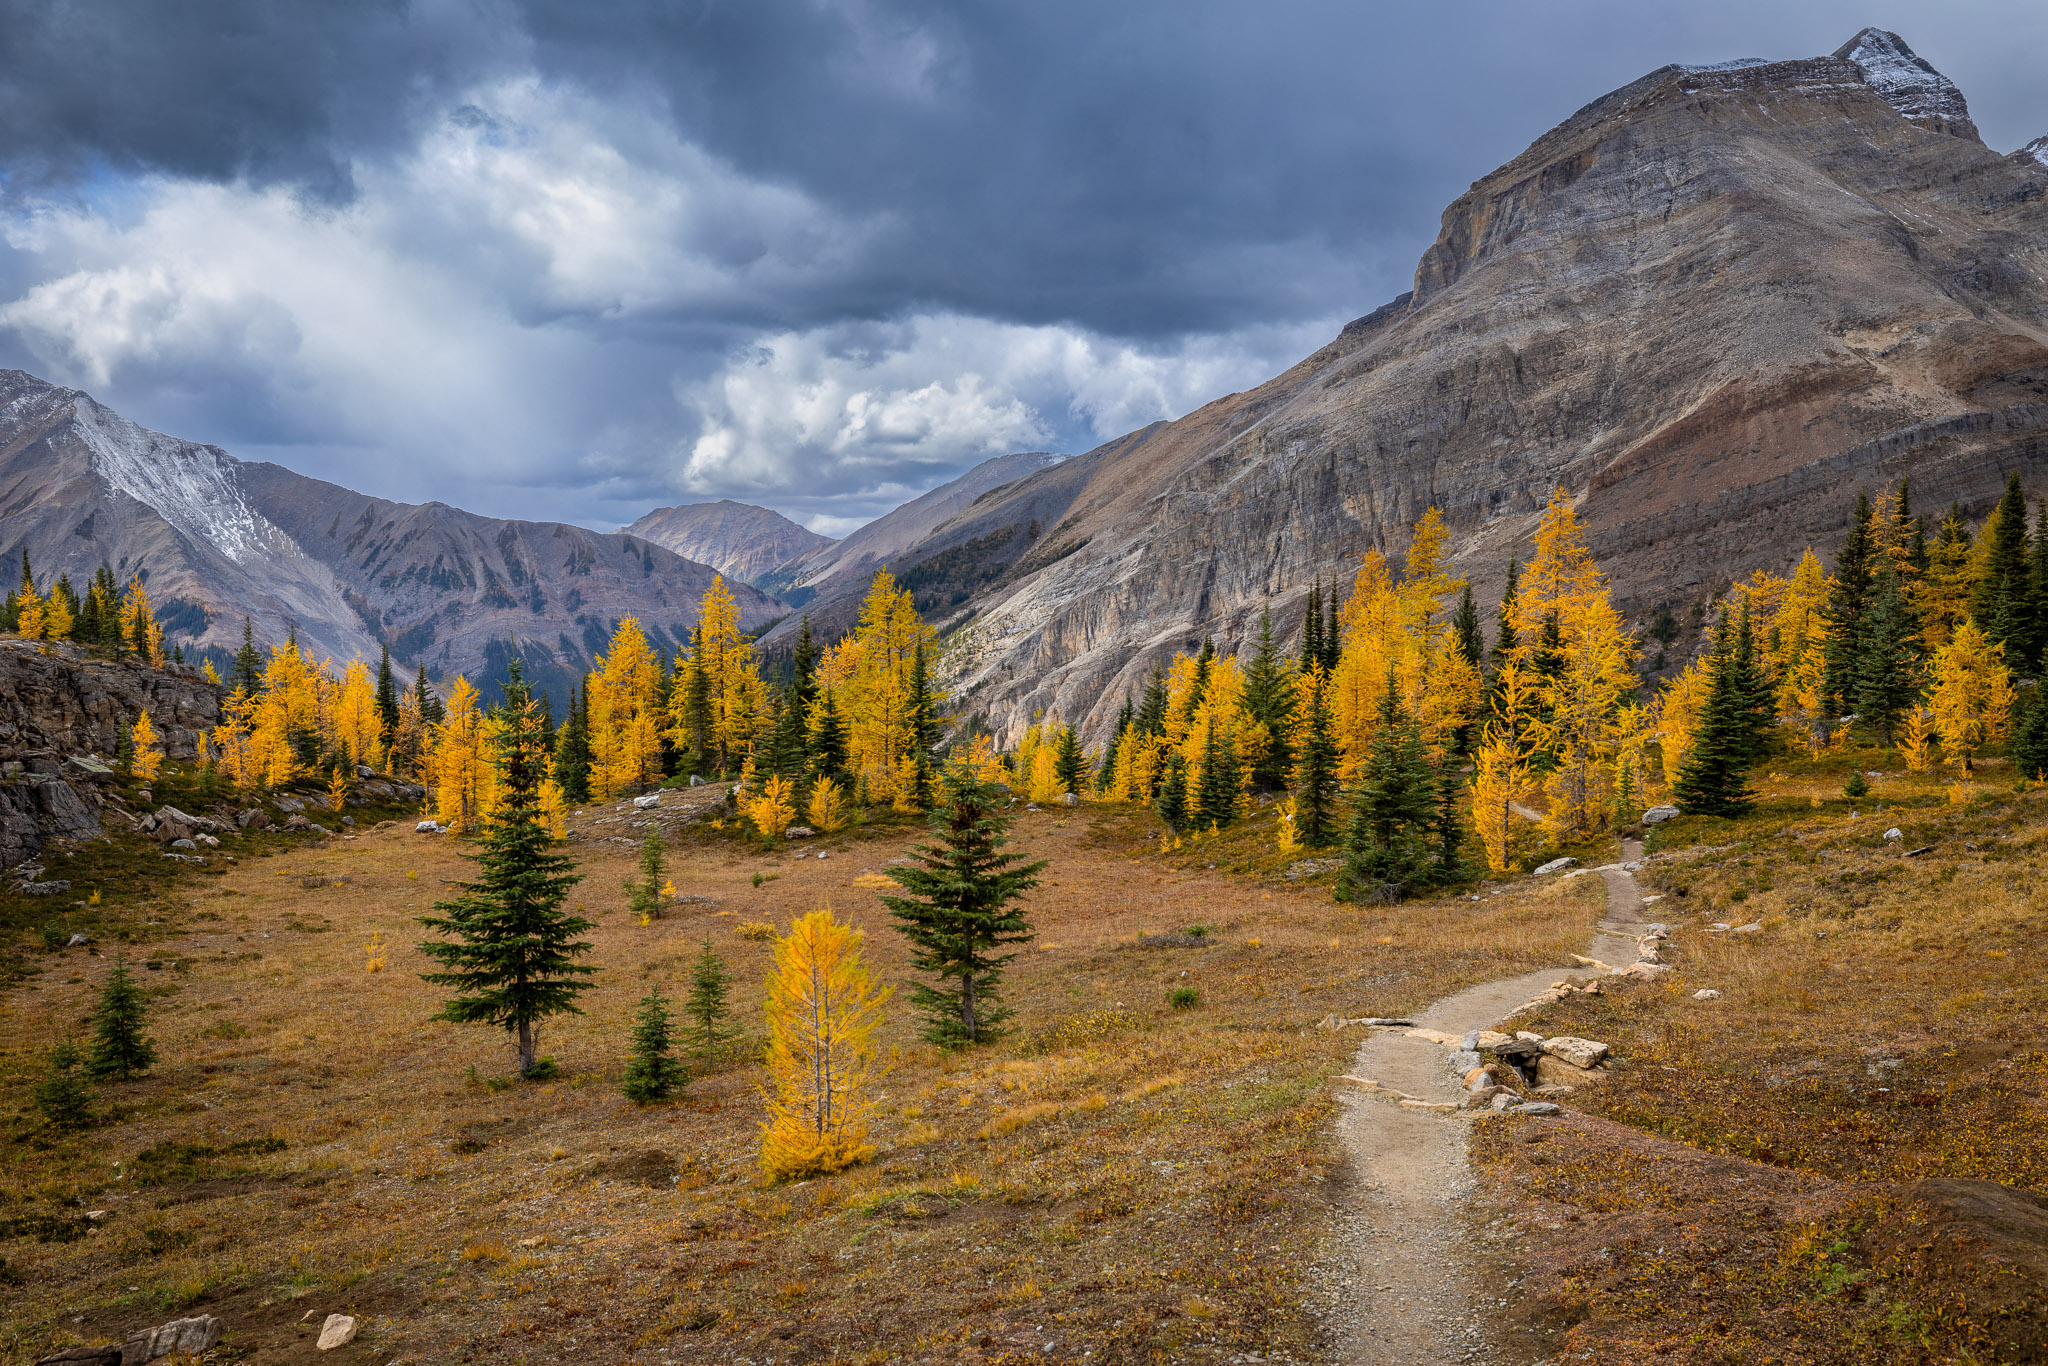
739,540
220,539
854,560
1711,304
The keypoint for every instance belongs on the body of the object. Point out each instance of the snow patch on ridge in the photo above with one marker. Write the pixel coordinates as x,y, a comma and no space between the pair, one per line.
1906,81
194,488
2036,151
1736,65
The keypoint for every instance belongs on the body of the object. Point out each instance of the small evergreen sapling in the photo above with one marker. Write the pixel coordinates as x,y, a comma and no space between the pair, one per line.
1395,836
645,890
709,1030
958,914
61,1094
1857,788
119,1052
653,1074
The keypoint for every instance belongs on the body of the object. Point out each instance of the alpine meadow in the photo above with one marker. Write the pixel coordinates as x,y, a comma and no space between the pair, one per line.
1513,837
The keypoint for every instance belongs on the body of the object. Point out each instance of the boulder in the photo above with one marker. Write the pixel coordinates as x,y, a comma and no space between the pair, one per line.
1536,1108
1894,833
77,941
1464,1060
365,771
338,1331
1557,865
51,888
64,813
1485,1097
297,821
1706,994
696,781
291,806
185,1336
1489,1040
1554,1091
1504,1100
1753,927
426,828
648,802
1069,799
1576,1051
1644,972
1657,815
183,844
798,832
83,1356
255,818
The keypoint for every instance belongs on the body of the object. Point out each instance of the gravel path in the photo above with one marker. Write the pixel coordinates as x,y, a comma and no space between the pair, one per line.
1401,1286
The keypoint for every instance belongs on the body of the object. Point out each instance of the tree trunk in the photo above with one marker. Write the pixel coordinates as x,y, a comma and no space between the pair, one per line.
525,1047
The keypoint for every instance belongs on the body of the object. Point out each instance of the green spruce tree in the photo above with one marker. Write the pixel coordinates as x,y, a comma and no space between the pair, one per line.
1887,667
828,740
1124,718
1069,764
1506,640
1172,802
2002,605
247,672
510,950
1713,780
1315,775
1152,707
2030,739
64,1097
1312,629
959,911
710,1029
1391,845
1269,699
572,748
643,891
1215,798
1848,599
387,700
923,705
652,1073
119,1051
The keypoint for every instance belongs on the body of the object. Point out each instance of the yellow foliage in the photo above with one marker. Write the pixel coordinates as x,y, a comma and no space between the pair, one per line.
875,694
982,763
33,622
139,625
373,952
459,768
358,730
1916,741
625,716
738,698
822,1010
1289,837
1970,693
771,808
149,754
1678,715
554,809
337,790
827,808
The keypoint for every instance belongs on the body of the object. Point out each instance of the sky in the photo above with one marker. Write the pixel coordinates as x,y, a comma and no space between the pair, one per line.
576,259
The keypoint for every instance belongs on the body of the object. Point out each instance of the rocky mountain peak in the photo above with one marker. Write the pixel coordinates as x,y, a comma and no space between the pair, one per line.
1908,83
2035,152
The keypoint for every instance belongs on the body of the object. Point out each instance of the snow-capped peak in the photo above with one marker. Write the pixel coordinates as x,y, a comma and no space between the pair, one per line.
1907,83
194,488
2036,151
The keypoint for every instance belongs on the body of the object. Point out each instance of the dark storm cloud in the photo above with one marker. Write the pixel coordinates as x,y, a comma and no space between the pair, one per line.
1103,207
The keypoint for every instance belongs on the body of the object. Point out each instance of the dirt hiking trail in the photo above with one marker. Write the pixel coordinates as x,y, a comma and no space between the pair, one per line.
1404,1278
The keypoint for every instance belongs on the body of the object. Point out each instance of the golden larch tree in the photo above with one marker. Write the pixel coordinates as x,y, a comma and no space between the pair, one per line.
149,752
1969,692
822,1011
625,714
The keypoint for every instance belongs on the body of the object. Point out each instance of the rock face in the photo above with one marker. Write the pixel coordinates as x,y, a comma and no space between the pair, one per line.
59,709
739,540
223,539
1711,305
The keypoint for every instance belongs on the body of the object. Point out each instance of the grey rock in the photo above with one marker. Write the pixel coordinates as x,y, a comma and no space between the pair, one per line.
291,806
426,828
83,1356
1657,815
1464,1060
52,888
696,781
1557,865
1753,927
648,802
183,844
1585,1053
1069,799
1537,1108
1894,833
255,818
798,832
1503,1100
77,941
186,1336
1706,994
365,771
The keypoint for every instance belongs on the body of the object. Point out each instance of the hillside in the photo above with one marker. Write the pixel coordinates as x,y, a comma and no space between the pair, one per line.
739,540
221,539
1711,304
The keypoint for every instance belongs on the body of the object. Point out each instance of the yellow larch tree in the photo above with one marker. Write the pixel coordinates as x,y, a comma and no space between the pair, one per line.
1678,716
33,621
769,805
625,714
234,754
1916,740
358,732
458,763
139,624
1941,596
737,696
822,1011
826,810
149,751
876,696
1969,692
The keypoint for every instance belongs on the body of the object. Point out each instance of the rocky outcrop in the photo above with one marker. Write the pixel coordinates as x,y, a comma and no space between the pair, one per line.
739,540
61,715
1710,305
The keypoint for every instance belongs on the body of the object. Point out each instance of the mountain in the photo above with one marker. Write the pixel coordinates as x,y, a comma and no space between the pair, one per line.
1711,304
853,561
739,540
221,539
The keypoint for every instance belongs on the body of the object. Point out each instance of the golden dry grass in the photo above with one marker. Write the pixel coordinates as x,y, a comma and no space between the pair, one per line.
1883,1027
1115,1178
